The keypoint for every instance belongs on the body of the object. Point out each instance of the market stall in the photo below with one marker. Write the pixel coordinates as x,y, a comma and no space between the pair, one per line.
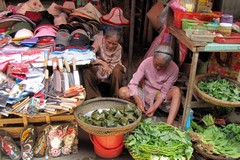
40,82
43,98
201,88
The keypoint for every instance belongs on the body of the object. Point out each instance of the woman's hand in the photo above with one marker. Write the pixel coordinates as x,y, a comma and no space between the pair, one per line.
139,103
151,110
106,68
94,62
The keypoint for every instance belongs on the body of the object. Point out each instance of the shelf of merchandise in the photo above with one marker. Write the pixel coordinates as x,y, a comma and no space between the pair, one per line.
196,48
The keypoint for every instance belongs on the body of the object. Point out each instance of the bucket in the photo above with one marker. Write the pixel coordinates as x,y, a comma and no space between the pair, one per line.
103,152
109,142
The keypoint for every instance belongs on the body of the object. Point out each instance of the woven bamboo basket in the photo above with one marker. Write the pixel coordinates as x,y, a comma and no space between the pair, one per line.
104,103
209,156
214,101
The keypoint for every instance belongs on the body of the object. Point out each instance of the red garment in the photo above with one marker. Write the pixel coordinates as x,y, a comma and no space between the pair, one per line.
34,16
229,67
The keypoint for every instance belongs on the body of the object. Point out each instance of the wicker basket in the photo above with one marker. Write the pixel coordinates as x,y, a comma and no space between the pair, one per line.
209,156
104,103
210,99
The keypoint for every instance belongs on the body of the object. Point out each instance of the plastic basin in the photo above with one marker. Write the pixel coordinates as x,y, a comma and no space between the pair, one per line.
109,142
104,152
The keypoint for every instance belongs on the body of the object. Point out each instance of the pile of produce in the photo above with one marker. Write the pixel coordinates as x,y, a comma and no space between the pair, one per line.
157,141
112,117
220,88
213,140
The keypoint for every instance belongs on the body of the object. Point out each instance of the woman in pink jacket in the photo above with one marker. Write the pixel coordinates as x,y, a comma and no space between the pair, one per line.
158,74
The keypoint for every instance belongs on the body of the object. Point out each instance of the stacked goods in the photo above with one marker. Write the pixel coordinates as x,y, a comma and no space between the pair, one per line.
157,140
216,141
46,141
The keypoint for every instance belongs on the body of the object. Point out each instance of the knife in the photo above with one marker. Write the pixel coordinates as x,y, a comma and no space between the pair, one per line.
46,72
69,73
57,98
45,63
56,76
46,81
75,72
64,76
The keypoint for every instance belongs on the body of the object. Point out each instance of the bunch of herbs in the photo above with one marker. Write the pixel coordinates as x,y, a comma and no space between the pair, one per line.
223,141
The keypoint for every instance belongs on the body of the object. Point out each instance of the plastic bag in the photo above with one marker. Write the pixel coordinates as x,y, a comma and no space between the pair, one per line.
4,66
176,5
163,38
18,68
182,52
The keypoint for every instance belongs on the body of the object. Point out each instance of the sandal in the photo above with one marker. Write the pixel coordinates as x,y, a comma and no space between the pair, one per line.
27,142
8,146
41,142
68,140
55,137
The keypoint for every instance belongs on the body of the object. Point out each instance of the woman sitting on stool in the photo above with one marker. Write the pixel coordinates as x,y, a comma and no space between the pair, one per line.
107,67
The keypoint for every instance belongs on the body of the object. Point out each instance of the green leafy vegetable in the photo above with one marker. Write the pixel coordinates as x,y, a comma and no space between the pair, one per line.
220,88
156,140
208,120
222,141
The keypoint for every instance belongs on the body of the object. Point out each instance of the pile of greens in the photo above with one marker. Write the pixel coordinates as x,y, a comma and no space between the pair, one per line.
112,117
220,88
220,141
157,140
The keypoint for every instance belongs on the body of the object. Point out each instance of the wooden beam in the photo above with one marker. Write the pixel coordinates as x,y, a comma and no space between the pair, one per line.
187,103
131,39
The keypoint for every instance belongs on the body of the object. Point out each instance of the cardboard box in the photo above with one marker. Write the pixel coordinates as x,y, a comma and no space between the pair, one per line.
154,13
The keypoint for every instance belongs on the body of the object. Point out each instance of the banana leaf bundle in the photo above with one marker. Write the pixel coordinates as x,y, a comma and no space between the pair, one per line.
113,117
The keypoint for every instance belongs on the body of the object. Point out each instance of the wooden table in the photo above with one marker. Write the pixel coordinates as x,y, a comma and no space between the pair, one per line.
196,48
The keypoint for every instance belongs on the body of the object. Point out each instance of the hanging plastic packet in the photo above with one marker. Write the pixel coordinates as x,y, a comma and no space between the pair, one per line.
68,140
16,91
34,105
3,98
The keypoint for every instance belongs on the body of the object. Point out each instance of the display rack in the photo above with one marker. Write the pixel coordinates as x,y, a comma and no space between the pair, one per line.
196,48
15,124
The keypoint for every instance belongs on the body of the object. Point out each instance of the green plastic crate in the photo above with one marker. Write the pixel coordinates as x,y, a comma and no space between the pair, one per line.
194,24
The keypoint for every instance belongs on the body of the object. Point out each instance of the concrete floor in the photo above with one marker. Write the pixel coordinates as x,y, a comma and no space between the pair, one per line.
86,148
